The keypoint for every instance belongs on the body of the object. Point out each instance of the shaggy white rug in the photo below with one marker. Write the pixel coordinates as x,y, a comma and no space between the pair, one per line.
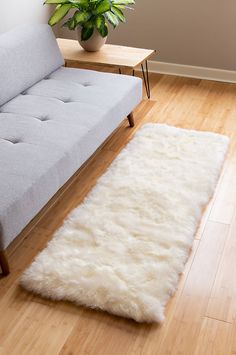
123,249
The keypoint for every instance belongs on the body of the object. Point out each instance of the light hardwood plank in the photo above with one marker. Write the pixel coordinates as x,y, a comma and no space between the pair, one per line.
222,301
215,338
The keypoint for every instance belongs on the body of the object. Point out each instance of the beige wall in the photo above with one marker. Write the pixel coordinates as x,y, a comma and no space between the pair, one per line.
17,12
191,32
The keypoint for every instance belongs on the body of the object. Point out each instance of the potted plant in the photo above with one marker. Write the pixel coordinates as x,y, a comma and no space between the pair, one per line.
91,17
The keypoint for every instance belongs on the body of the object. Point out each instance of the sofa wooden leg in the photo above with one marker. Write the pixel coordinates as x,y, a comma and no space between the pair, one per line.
131,119
4,263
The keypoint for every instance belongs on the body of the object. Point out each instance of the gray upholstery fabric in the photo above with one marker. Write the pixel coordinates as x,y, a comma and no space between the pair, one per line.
48,131
27,54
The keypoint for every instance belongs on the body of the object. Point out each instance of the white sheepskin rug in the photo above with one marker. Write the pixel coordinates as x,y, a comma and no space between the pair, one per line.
123,249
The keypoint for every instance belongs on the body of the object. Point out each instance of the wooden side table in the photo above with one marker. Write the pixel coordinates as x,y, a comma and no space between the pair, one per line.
109,55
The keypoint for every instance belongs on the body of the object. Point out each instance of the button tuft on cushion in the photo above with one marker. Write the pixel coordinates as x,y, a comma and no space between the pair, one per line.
13,141
43,118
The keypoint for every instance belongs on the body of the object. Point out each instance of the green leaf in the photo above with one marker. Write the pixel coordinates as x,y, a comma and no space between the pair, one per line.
123,7
123,2
99,21
58,6
71,24
101,25
79,2
112,18
75,3
83,4
87,32
81,17
59,14
56,2
104,30
102,7
119,14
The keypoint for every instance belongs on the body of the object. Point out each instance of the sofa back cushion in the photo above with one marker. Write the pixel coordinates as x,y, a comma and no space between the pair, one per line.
27,55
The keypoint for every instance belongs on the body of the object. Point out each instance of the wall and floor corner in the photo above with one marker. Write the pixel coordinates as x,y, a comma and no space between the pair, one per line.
193,38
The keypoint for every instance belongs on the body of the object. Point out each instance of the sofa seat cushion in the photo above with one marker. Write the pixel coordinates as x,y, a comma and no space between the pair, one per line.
49,131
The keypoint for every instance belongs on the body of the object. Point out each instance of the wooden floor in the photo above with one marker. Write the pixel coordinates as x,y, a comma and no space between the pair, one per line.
201,317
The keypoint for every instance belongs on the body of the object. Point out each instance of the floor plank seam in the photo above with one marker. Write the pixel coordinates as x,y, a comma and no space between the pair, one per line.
219,265
222,223
219,320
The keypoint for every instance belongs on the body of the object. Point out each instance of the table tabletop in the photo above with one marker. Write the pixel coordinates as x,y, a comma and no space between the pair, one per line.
109,54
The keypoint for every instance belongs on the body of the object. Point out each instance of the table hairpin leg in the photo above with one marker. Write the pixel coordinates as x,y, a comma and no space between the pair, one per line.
146,79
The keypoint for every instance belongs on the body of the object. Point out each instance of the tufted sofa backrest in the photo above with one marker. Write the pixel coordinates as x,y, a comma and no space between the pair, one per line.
27,55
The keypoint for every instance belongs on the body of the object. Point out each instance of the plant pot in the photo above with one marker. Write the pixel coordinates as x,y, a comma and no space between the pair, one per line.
94,43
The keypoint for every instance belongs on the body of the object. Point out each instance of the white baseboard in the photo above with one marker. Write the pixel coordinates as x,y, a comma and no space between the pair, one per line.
192,71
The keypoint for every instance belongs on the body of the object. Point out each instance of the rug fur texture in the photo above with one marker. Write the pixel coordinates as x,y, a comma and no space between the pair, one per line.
124,248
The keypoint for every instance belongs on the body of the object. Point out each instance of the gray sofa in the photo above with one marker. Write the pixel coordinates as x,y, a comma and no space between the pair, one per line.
52,119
